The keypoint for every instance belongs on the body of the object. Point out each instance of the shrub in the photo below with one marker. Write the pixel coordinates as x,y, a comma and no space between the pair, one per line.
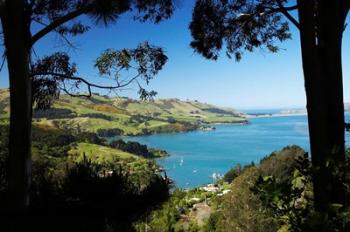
97,115
131,147
54,113
89,197
232,173
89,137
109,132
243,210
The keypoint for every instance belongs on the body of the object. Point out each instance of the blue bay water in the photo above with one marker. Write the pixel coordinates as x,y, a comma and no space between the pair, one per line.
195,156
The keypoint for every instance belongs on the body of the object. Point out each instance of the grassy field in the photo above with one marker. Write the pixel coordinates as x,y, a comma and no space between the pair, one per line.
133,117
138,167
99,154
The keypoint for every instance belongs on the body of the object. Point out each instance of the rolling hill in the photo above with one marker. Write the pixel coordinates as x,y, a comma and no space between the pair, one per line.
117,115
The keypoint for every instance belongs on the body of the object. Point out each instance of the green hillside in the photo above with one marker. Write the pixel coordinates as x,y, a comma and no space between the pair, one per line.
116,115
99,153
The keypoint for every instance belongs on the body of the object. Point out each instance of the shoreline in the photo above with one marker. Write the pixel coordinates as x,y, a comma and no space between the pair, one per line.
275,115
231,123
187,130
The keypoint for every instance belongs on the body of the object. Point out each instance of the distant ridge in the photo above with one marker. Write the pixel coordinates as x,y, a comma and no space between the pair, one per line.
125,116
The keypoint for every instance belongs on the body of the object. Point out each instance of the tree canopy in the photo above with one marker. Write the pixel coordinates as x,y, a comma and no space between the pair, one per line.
239,26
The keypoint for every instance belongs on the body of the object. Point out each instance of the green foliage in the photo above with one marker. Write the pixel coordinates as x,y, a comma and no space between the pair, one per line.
277,195
109,132
220,111
57,143
55,72
243,210
281,164
176,214
53,113
232,173
147,60
51,142
96,194
213,223
291,199
137,149
240,25
88,189
166,218
132,147
130,116
97,115
271,196
89,137
158,153
86,180
46,89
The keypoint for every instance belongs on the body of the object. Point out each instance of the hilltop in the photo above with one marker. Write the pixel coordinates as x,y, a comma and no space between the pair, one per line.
110,116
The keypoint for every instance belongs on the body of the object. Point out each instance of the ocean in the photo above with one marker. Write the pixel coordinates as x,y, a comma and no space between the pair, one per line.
199,157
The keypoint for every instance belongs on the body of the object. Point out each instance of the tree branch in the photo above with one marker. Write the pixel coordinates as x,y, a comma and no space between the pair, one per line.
287,8
76,95
281,9
88,84
284,11
56,23
60,34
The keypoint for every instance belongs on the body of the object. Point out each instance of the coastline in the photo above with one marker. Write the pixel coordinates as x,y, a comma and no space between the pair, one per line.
243,122
188,128
274,115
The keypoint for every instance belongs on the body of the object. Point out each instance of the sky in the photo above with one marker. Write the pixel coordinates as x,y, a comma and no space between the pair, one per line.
261,80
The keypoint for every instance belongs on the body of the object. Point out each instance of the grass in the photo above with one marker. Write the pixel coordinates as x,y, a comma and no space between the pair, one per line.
151,116
139,169
99,154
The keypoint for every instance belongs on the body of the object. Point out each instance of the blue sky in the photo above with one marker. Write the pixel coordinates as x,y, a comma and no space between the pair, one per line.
259,80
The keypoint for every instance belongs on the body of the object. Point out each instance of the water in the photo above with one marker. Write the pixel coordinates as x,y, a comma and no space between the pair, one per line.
195,156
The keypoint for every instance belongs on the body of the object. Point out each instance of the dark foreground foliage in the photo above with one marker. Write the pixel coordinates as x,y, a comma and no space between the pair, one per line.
89,198
67,195
277,195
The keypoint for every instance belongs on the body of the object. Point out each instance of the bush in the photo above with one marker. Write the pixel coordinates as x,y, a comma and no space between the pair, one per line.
131,147
90,197
54,113
109,132
261,196
97,115
89,137
213,222
232,173
57,143
281,164
243,209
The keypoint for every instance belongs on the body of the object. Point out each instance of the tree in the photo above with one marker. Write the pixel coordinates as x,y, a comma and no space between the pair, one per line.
61,17
243,25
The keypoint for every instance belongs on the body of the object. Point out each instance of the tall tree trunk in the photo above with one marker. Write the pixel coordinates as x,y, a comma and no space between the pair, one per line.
321,36
16,34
